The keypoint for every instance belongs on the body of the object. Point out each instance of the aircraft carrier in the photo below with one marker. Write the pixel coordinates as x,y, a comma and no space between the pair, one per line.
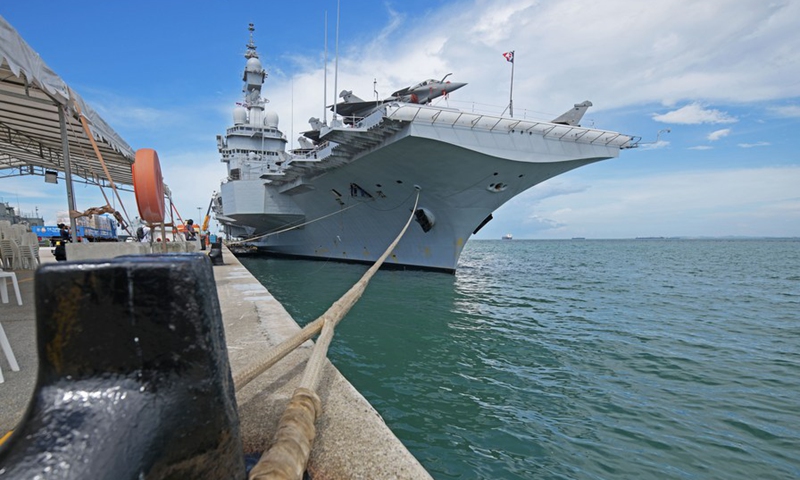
351,187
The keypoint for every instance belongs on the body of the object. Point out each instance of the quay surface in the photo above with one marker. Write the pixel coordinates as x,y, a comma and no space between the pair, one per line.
352,440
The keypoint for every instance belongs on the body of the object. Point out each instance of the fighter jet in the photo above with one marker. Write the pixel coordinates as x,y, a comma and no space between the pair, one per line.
421,93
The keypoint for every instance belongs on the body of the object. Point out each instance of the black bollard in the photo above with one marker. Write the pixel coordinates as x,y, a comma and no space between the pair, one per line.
134,380
215,254
60,252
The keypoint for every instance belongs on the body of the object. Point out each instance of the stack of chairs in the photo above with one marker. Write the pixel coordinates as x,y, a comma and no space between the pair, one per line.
29,248
5,229
19,247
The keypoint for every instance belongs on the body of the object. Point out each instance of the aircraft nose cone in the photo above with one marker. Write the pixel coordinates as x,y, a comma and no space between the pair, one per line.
453,86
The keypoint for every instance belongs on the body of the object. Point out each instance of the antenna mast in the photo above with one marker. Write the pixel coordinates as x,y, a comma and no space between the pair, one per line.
336,68
325,81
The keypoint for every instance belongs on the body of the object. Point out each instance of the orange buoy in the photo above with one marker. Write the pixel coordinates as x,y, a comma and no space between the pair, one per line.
148,185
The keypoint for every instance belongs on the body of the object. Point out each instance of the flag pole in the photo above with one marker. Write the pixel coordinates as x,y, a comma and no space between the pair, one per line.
511,90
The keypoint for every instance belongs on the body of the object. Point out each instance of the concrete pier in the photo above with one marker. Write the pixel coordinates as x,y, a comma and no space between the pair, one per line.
352,441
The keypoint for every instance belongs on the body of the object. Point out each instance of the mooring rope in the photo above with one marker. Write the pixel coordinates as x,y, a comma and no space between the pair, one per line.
288,456
269,234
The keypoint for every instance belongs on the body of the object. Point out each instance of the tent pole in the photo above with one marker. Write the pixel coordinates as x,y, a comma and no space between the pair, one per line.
67,171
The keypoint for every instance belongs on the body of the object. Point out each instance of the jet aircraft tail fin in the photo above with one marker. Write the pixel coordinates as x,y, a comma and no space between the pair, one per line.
574,115
348,97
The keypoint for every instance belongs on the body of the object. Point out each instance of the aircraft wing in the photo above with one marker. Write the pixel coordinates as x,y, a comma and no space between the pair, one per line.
401,92
355,108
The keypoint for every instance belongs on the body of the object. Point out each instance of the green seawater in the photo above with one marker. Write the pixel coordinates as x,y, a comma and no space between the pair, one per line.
576,359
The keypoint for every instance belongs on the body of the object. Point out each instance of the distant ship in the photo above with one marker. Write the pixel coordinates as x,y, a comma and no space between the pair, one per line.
508,236
10,215
347,192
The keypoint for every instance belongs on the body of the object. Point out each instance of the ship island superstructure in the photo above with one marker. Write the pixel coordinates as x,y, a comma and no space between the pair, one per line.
346,193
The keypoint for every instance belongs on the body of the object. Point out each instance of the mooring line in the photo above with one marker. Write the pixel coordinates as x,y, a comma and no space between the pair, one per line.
269,234
294,437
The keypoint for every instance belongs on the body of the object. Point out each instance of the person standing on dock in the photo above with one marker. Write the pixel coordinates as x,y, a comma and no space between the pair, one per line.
64,232
190,235
145,237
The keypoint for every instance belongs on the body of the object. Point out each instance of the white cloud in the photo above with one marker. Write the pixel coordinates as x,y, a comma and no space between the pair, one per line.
753,145
701,147
660,51
124,112
751,201
789,111
694,114
717,134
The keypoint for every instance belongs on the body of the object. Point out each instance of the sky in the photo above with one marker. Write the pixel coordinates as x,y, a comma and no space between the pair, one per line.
719,79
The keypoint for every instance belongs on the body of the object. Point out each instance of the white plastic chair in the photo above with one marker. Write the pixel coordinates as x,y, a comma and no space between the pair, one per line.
17,231
30,250
4,286
11,256
4,344
12,360
7,259
28,257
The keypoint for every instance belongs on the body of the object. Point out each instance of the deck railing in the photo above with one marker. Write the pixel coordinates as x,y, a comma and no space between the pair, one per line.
456,118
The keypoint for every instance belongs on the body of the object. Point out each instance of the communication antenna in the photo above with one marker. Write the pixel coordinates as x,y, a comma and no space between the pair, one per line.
325,81
291,120
336,67
375,88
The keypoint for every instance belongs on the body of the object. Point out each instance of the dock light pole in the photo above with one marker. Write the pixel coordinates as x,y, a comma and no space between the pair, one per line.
199,209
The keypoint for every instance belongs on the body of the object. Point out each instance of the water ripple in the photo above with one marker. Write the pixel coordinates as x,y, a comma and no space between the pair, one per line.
577,359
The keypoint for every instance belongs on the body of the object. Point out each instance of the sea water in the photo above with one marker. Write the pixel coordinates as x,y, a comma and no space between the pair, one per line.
578,359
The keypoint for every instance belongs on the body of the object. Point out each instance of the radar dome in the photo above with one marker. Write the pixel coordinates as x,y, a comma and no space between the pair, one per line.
239,115
253,65
271,120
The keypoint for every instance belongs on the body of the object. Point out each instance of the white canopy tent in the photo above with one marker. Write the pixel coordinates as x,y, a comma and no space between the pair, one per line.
40,128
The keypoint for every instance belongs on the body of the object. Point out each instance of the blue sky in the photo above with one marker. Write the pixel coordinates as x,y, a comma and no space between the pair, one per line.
723,77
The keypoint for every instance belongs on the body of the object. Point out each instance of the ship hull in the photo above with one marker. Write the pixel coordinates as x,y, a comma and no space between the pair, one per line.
353,212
